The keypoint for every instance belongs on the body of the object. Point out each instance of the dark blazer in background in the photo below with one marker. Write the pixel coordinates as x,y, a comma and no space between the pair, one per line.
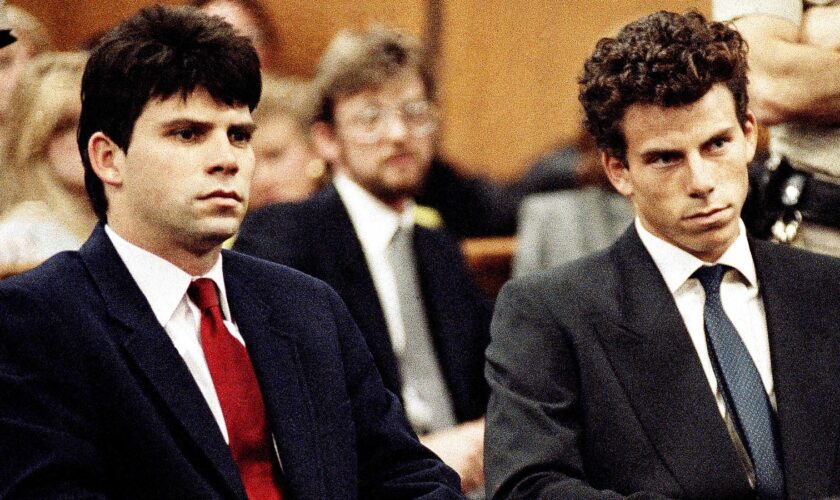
317,237
597,390
95,401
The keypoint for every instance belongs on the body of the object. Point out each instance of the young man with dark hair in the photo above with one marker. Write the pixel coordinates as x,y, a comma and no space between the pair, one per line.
152,364
686,360
405,283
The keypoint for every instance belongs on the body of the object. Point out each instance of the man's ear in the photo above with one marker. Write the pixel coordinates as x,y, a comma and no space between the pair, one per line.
750,128
106,159
325,142
617,173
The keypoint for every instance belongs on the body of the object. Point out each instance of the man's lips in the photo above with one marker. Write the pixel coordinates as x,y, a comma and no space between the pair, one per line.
400,158
710,214
218,194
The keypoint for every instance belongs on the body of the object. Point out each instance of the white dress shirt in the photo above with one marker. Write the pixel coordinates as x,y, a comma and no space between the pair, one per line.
165,287
739,292
375,224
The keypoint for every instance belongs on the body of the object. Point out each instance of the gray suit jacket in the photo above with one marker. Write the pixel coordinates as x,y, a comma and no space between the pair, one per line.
559,227
598,392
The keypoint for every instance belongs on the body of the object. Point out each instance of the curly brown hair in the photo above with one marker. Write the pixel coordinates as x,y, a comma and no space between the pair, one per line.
665,59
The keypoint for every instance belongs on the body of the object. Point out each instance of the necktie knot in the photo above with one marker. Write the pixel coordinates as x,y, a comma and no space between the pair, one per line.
401,234
401,245
203,293
710,278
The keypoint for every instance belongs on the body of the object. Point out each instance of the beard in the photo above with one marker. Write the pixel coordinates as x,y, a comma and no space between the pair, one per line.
395,178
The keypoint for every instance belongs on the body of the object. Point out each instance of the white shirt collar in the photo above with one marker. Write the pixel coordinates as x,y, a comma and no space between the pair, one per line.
375,222
163,283
676,265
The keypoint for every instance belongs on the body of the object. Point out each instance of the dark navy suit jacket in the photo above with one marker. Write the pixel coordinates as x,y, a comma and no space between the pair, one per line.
95,401
318,238
598,391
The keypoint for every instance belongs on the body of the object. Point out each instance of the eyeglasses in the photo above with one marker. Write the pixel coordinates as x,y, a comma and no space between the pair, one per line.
370,125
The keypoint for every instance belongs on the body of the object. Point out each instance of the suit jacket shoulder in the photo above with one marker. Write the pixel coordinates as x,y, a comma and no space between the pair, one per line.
287,232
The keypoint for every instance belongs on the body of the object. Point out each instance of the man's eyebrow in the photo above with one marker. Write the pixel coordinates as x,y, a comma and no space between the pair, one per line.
186,123
722,132
649,153
249,127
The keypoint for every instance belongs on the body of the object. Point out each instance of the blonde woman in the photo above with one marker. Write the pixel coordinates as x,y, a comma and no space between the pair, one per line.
32,39
287,167
44,206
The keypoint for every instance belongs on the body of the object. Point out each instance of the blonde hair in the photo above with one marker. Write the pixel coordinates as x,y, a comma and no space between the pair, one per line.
28,29
290,97
50,82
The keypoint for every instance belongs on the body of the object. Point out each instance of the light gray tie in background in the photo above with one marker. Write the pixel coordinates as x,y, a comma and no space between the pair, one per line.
427,400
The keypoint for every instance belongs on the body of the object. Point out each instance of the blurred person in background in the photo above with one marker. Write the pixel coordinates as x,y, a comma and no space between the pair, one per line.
251,19
44,206
405,283
287,167
31,39
561,226
794,90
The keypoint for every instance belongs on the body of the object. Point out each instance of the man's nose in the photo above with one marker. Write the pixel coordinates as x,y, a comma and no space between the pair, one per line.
224,157
701,174
394,127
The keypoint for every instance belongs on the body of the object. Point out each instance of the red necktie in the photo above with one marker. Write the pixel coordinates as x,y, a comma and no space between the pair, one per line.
239,395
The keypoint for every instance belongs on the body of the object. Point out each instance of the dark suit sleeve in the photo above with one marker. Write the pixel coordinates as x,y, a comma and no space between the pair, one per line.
392,462
46,434
533,441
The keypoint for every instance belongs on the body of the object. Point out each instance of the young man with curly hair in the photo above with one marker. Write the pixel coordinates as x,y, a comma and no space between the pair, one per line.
686,360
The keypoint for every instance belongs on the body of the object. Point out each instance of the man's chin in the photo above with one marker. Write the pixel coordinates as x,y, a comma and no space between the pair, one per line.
711,246
220,231
391,195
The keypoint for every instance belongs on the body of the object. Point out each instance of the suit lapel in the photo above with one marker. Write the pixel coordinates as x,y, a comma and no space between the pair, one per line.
806,369
269,334
349,265
653,356
149,348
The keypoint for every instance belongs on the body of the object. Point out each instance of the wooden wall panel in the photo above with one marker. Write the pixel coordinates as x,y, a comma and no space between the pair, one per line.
308,26
508,74
507,68
73,22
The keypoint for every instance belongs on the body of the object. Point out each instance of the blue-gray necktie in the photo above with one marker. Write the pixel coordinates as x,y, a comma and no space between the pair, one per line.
742,387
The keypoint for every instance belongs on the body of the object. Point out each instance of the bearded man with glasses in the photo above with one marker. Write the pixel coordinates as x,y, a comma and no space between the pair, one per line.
424,319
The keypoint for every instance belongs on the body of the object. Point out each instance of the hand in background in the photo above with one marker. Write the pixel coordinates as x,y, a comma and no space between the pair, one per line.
462,448
821,27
